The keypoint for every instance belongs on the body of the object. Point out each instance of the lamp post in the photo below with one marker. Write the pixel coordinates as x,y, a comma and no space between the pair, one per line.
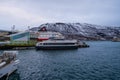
13,28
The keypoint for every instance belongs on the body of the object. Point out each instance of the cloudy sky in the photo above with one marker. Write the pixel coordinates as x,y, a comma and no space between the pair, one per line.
23,13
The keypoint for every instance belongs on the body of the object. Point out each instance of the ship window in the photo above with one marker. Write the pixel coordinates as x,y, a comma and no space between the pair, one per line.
59,43
40,43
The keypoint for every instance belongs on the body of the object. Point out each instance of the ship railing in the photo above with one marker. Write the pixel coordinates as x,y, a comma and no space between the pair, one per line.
6,58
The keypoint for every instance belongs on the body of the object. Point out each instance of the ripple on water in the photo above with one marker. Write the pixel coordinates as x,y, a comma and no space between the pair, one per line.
98,62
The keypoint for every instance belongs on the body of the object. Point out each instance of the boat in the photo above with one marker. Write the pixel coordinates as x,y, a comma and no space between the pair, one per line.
8,63
57,44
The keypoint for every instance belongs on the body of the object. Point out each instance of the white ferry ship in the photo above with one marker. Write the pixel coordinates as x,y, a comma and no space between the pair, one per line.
57,44
8,63
49,35
46,35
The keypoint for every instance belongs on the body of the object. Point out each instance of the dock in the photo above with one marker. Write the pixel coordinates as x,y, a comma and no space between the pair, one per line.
82,45
8,64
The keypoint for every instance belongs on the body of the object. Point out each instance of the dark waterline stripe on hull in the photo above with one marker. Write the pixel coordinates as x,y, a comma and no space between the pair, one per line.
56,47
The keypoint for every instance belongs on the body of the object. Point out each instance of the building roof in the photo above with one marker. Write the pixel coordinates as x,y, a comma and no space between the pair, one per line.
5,31
18,33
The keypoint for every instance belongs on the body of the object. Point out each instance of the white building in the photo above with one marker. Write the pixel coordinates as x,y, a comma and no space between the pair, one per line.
20,37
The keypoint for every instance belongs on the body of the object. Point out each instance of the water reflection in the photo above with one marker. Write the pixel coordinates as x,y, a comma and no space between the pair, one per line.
14,76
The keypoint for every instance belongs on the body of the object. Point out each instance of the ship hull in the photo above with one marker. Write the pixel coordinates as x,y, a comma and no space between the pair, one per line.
8,69
55,47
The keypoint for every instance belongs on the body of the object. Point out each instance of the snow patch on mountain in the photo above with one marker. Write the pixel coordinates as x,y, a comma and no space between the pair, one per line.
82,29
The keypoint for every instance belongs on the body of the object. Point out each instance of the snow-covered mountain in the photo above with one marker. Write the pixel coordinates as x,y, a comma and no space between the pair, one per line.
82,30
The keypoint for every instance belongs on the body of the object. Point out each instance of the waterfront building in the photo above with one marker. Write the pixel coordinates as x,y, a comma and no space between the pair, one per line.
34,35
20,37
4,34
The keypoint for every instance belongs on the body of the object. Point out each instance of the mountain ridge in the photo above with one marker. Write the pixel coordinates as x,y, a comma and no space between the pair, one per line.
82,31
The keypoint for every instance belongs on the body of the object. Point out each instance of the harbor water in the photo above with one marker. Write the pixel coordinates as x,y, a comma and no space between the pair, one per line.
101,61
